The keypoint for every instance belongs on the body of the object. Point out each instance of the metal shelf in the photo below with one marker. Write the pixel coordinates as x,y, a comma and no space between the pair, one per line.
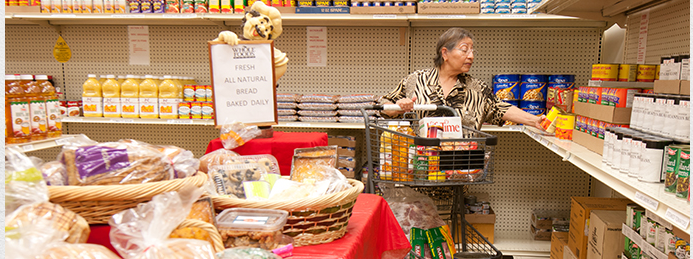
649,195
43,144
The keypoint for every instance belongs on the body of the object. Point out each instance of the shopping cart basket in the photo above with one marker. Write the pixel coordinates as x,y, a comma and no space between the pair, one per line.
401,157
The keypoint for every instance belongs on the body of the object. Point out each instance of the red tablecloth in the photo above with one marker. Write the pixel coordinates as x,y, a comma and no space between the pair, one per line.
373,232
281,146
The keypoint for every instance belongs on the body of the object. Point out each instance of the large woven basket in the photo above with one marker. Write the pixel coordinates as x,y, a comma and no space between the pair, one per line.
311,221
217,243
97,203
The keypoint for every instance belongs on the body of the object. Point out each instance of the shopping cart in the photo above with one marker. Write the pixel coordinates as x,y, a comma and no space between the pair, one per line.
475,245
397,156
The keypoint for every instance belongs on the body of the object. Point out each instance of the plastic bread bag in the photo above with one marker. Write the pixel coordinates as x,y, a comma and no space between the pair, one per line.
286,105
26,200
229,178
318,98
285,189
236,134
286,112
287,118
357,98
353,106
354,119
111,163
184,162
38,240
317,119
313,113
247,253
411,208
217,157
284,97
317,106
143,232
331,181
54,173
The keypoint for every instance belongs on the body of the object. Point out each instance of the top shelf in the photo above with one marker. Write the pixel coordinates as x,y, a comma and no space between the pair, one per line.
292,19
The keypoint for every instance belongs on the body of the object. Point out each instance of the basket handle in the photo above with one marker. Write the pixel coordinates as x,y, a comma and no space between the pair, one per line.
217,243
417,107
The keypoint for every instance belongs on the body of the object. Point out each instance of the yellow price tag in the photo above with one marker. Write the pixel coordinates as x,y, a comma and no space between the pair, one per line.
61,51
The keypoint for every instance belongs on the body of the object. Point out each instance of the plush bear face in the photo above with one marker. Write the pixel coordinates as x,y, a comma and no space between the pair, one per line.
257,26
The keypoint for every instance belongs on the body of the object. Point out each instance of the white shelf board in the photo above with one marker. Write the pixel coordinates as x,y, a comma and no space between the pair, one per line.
494,128
320,125
137,121
43,144
504,20
591,163
112,19
523,247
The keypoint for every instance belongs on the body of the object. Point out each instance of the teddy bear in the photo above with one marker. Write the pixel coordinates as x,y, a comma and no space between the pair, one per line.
260,22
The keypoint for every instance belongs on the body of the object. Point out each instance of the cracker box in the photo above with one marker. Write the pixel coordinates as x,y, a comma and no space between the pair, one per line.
452,126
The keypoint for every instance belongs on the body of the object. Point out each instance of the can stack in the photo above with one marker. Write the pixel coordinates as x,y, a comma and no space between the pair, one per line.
506,87
507,6
533,92
197,102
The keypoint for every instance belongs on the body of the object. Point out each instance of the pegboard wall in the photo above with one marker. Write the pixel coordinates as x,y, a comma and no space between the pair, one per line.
519,51
668,32
29,50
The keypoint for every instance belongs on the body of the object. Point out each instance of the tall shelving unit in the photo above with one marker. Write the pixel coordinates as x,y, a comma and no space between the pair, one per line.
366,54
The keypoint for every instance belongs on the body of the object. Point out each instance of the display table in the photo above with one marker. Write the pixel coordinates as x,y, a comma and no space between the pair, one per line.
373,232
281,146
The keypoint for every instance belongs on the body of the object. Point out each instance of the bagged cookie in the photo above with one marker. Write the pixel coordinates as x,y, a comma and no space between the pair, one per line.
228,179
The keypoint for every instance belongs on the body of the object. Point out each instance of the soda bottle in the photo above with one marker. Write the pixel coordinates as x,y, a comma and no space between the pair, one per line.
17,113
53,117
129,98
149,93
168,98
111,97
37,107
91,97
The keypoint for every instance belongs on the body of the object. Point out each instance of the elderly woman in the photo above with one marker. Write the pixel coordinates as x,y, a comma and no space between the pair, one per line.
449,84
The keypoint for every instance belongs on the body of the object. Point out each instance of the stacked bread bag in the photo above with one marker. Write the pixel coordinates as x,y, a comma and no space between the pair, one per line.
317,108
350,107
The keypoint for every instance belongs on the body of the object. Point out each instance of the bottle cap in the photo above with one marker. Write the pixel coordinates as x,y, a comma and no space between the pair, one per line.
148,77
41,77
91,75
130,76
167,77
27,77
110,76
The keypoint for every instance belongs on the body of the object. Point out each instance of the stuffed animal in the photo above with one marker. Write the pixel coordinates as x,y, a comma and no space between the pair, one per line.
261,22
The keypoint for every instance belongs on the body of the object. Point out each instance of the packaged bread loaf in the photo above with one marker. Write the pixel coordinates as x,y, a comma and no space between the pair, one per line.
286,112
317,119
54,173
286,97
354,106
184,162
287,105
217,157
357,98
317,106
318,98
287,118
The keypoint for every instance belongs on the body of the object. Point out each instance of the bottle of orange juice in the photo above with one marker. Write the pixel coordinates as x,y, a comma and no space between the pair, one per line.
17,113
102,79
111,97
149,93
179,84
37,107
53,117
91,97
129,98
168,98
121,79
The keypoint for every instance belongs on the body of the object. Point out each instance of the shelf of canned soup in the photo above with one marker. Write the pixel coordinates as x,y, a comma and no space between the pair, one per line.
642,186
531,92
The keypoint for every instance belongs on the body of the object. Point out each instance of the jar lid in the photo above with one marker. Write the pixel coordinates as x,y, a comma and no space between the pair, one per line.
656,143
619,135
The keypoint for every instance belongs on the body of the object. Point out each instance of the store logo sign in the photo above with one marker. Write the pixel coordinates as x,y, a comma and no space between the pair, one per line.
243,52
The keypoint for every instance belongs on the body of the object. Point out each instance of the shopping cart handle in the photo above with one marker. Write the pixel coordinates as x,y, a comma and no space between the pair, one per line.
417,107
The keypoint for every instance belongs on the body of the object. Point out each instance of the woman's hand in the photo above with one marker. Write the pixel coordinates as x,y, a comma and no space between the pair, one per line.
406,104
537,122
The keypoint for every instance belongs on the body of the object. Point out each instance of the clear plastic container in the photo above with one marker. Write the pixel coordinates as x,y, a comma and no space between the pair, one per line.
251,227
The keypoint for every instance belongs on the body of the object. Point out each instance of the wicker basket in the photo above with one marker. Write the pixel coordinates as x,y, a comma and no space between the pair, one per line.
98,203
311,221
217,243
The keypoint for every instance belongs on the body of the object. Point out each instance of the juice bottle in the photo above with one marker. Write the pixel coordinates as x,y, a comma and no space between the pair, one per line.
404,144
37,107
149,92
102,79
387,140
179,84
168,98
17,113
53,118
91,97
111,97
129,98
121,79
158,79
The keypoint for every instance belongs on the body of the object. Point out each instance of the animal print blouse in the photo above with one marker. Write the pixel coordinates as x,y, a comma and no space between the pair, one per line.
471,97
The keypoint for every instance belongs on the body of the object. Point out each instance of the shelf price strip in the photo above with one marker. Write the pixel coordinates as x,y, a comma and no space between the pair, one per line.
180,121
27,147
679,220
63,141
652,204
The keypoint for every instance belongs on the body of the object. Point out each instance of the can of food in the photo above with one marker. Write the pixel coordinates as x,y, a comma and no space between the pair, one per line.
595,95
657,72
502,5
683,181
605,72
627,72
433,160
476,207
486,205
533,87
487,10
184,110
532,105
506,86
63,108
485,212
646,73
565,123
469,199
488,6
502,10
74,108
535,112
200,93
207,110
518,10
189,93
670,167
562,81
434,131
196,110
516,103
550,117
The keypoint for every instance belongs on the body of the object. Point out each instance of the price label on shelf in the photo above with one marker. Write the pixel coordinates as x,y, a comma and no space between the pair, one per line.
518,16
650,203
679,220
63,15
554,148
72,119
384,16
515,128
544,142
122,120
445,16
63,141
186,15
127,16
632,235
180,121
28,147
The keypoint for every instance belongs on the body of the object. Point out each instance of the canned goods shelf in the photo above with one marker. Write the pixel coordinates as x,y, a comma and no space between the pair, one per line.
649,195
617,84
43,144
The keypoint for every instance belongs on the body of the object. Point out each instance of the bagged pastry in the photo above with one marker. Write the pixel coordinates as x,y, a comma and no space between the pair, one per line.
108,163
38,240
236,134
228,179
54,173
184,162
357,98
143,232
26,200
217,157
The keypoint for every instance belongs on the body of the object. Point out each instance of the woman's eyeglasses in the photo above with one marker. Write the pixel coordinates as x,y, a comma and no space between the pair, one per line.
467,51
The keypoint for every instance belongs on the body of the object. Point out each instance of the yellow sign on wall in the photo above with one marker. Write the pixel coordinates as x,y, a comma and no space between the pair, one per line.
61,51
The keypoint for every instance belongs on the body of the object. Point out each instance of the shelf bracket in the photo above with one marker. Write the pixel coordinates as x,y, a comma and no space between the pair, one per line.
45,23
222,24
567,156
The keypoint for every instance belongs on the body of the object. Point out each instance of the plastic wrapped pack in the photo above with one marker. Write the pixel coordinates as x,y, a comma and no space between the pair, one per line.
247,252
287,117
54,173
354,119
229,179
26,200
307,162
412,209
287,105
143,232
358,98
124,162
202,210
311,113
236,231
38,240
286,97
357,113
268,162
317,119
317,106
281,112
217,157
184,162
318,98
236,134
353,106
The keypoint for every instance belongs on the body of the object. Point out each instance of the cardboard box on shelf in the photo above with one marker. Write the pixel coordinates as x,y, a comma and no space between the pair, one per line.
580,209
383,10
603,112
586,140
672,87
685,87
342,141
558,242
346,151
545,219
605,238
448,8
540,234
567,254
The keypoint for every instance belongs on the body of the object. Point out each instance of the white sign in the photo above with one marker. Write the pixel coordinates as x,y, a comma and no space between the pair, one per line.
652,204
316,46
642,37
138,39
243,83
28,147
63,141
384,16
679,220
183,121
